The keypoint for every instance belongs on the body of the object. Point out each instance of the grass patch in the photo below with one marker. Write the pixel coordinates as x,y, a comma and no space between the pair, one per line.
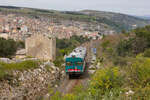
7,68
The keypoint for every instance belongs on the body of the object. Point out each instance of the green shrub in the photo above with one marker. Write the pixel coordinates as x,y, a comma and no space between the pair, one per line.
124,47
135,44
110,50
106,79
140,72
7,47
70,43
146,53
106,84
59,61
105,44
56,96
143,33
69,97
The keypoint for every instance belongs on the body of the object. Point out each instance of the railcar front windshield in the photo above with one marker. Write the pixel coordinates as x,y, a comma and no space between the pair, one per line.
69,63
79,63
74,61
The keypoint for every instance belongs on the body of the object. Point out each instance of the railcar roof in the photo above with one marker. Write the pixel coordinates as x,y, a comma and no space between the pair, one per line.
79,52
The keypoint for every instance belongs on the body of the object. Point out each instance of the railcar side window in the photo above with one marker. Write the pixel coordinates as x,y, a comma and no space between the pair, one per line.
68,63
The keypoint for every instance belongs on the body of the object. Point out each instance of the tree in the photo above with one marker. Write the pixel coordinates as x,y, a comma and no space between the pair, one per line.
7,47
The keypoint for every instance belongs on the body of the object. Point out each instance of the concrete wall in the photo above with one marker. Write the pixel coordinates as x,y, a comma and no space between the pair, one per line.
41,47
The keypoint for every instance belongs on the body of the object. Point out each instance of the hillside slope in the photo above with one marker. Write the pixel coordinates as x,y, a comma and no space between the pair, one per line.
115,21
120,21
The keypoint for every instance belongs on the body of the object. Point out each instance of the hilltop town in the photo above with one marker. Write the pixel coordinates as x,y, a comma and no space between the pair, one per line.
20,27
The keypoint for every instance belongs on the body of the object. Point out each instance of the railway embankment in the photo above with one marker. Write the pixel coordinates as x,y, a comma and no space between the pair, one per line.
68,85
77,86
27,82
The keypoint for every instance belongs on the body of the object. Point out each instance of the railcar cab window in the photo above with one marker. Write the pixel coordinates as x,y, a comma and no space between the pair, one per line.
69,63
79,63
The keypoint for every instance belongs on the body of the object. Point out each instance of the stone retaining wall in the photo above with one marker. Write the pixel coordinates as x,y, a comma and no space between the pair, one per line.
30,84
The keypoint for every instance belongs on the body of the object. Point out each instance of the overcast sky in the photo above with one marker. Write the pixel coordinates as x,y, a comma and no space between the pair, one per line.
132,7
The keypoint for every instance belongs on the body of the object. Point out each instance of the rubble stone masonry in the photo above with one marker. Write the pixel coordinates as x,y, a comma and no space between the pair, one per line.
41,47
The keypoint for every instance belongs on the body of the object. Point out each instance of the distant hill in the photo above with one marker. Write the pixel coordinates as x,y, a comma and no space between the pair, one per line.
116,21
147,17
10,7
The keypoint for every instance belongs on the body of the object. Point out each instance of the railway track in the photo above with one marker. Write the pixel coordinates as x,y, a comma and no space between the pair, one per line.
67,85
